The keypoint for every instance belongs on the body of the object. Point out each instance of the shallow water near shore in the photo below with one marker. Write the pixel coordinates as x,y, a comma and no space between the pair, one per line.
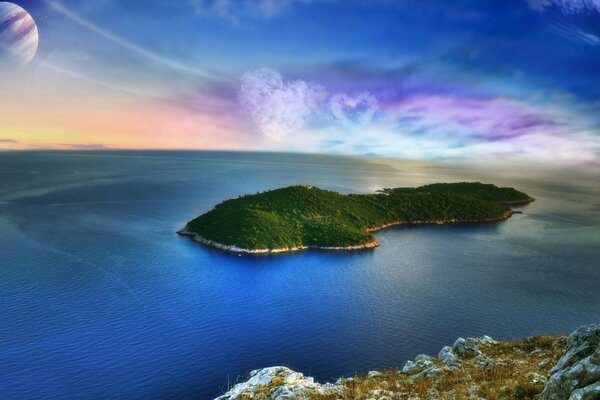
102,299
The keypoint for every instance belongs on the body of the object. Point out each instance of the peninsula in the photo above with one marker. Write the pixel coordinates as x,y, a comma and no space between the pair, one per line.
302,217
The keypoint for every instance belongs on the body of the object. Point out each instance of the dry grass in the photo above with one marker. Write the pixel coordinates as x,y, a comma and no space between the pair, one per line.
517,371
513,374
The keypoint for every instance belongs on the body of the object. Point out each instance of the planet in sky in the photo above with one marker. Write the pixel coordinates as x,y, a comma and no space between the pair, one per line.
18,35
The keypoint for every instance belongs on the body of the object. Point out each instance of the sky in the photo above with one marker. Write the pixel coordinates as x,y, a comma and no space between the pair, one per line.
481,81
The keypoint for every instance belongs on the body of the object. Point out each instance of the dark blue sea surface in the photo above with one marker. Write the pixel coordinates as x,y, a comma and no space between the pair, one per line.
100,298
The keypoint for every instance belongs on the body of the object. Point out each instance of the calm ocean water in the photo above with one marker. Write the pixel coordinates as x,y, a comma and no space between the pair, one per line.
101,299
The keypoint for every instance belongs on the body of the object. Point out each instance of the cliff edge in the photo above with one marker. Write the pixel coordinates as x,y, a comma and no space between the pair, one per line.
541,367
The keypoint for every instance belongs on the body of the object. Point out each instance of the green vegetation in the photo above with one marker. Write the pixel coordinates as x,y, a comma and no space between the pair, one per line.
477,190
299,216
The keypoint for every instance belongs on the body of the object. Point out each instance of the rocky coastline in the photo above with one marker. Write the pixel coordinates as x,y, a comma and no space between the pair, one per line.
235,249
507,214
550,367
185,231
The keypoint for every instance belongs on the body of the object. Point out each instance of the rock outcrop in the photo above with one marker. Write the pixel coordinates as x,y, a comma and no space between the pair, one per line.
472,369
577,374
278,383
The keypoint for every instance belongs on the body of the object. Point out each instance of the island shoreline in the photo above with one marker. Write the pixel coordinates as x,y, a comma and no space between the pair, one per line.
517,202
363,246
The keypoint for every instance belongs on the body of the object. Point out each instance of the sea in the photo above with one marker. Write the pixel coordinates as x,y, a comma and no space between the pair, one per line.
101,299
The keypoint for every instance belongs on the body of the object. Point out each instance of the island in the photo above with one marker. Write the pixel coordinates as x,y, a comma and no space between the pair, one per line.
306,217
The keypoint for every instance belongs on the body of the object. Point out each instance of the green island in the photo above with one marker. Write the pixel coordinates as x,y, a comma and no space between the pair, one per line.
301,217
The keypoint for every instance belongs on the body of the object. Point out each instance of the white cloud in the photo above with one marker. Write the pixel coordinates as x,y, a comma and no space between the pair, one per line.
233,10
280,107
383,138
566,6
277,107
353,111
571,24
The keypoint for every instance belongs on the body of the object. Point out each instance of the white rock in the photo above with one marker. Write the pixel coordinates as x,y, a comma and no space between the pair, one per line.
294,385
431,372
577,374
450,360
470,347
483,361
409,366
590,392
421,362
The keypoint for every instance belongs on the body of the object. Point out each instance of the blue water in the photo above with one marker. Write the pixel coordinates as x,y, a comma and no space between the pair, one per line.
101,299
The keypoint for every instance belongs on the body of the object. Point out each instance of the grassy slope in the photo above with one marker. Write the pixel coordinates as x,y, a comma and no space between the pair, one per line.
298,215
514,373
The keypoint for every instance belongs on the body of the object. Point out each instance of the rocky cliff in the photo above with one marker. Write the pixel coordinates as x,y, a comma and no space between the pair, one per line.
541,367
577,374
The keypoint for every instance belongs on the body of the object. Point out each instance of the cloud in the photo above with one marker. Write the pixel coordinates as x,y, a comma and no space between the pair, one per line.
234,10
11,141
551,148
474,129
566,6
574,19
278,107
353,111
68,63
466,118
574,32
221,8
130,46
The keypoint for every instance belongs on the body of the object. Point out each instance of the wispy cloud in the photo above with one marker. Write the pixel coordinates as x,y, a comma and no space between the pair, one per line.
65,63
571,31
353,111
539,147
567,6
462,118
130,46
574,19
234,10
11,141
278,107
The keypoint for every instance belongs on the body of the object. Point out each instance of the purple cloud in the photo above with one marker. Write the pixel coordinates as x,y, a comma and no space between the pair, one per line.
490,119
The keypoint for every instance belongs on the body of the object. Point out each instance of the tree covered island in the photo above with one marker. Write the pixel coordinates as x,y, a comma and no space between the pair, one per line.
300,217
